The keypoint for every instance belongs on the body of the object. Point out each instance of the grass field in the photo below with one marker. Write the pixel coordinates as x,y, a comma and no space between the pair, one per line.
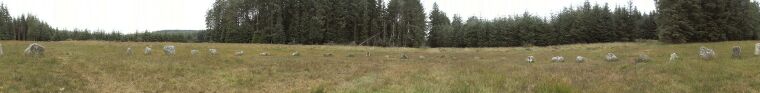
95,66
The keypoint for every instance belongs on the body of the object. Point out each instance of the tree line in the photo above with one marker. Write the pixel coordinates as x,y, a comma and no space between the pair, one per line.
29,27
404,23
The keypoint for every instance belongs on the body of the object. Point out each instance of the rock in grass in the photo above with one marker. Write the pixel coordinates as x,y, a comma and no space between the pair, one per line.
194,52
35,49
170,50
239,53
673,57
736,52
295,54
265,54
706,53
213,52
611,57
558,59
147,50
530,59
129,51
643,58
580,59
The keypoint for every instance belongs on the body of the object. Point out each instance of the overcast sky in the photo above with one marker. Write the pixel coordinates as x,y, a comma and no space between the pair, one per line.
129,16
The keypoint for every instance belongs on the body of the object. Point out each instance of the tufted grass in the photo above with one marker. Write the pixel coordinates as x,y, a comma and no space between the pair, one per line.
98,66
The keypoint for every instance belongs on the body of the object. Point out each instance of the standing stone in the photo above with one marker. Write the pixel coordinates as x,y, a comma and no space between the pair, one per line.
642,58
530,59
170,50
706,53
129,51
757,49
673,57
1,49
736,52
611,57
580,59
148,50
35,49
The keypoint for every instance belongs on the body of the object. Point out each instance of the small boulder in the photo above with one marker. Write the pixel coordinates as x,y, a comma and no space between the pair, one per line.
265,54
213,52
194,52
35,49
129,51
643,58
170,50
558,59
239,53
530,59
580,59
611,57
327,55
706,53
295,54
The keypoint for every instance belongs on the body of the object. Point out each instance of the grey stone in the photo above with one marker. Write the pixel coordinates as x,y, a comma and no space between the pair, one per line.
239,53
34,49
170,50
295,54
706,53
194,52
580,59
265,54
736,52
558,59
611,57
1,49
213,52
643,58
757,49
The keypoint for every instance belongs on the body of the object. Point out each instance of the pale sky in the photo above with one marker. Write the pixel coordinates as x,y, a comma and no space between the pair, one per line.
129,16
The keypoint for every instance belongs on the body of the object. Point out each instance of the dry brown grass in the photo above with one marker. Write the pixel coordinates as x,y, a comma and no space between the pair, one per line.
95,66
